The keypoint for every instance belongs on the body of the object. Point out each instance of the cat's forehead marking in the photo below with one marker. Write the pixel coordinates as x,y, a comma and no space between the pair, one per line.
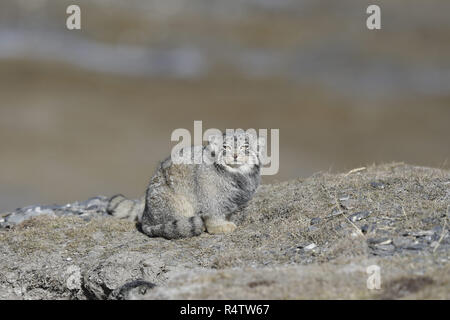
236,139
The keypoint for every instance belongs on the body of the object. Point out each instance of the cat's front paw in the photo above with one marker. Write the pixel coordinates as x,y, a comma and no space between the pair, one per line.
221,228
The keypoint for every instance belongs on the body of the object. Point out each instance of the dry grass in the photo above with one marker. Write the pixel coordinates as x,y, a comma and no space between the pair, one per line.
296,241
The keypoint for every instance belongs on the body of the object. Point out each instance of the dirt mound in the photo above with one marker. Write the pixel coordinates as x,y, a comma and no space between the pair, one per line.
312,238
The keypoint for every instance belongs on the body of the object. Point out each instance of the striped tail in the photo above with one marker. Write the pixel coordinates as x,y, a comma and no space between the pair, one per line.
180,228
124,208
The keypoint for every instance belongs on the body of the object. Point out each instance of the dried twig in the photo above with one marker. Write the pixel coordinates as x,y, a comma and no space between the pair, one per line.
355,170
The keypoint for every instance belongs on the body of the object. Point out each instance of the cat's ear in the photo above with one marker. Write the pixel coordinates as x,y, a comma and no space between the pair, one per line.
261,145
255,140
215,141
261,142
214,138
212,149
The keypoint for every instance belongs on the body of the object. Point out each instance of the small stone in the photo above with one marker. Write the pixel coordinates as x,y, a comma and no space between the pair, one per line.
377,240
381,246
310,246
389,241
383,249
377,185
335,212
73,281
415,246
69,259
314,221
359,216
422,233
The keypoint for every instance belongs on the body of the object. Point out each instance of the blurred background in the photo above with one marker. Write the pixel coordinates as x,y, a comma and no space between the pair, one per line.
90,111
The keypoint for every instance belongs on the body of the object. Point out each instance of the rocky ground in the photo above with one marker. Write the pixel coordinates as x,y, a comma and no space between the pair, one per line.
299,239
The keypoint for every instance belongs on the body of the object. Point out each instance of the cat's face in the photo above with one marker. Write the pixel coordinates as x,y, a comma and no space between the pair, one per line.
237,151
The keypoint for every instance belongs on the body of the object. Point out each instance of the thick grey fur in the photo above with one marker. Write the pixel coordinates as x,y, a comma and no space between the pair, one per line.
183,200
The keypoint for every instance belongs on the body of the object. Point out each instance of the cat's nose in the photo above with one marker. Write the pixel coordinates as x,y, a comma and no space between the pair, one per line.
235,156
